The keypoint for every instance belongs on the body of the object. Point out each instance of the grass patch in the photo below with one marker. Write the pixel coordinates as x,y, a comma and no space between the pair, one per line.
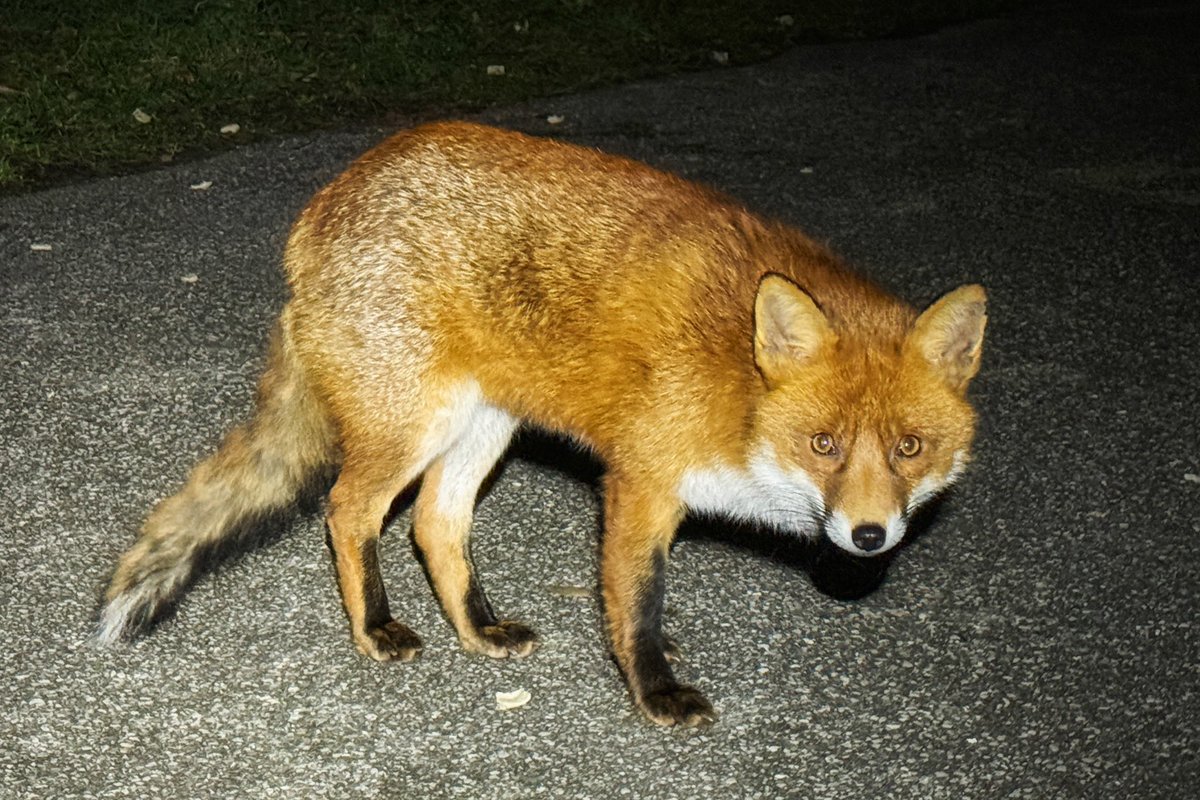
73,72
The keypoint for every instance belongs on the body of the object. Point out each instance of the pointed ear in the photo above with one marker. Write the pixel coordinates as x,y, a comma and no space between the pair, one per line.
949,334
789,329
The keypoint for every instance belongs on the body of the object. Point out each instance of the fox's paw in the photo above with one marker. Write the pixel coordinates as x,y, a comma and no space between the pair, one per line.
678,705
505,639
671,651
391,641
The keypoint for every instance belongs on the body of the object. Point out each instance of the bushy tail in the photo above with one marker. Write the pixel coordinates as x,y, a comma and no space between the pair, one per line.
259,468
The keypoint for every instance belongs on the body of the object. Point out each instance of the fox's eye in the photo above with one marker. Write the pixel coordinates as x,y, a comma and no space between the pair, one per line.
908,446
823,444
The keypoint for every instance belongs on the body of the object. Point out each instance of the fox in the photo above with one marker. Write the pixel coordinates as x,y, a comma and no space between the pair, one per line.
459,282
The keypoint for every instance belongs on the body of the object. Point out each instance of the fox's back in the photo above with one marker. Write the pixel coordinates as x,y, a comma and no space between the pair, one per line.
518,251
481,211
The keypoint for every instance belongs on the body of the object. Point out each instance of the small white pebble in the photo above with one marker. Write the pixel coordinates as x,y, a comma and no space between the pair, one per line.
141,116
1190,477
514,699
495,69
201,186
555,119
231,128
191,277
721,57
40,247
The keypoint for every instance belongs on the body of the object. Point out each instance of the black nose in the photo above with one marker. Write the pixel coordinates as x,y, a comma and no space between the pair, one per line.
868,537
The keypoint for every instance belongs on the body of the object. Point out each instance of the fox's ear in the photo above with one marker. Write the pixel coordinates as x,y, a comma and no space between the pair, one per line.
949,334
789,329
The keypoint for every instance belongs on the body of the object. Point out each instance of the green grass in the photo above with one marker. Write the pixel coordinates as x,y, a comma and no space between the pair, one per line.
73,72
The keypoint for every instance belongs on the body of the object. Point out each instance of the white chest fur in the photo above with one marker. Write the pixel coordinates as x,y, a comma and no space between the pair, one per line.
762,491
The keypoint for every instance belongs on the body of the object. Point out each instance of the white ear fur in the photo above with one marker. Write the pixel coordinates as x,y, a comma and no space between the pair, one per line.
789,329
949,334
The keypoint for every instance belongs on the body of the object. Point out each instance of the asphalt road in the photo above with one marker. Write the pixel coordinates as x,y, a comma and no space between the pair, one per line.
1038,640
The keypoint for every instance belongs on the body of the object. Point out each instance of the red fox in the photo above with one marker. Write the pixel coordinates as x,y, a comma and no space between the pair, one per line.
458,281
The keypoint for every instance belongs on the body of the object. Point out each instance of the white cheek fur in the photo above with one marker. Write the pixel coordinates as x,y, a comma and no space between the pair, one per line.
931,486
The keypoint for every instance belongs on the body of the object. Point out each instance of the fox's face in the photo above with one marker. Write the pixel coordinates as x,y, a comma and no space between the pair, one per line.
854,435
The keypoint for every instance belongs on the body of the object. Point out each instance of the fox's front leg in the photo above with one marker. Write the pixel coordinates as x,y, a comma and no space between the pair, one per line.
639,524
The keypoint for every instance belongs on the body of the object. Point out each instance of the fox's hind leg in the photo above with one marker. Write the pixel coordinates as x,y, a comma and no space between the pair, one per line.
441,527
358,503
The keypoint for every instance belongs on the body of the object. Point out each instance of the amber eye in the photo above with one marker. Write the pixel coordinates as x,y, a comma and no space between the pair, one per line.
908,446
823,444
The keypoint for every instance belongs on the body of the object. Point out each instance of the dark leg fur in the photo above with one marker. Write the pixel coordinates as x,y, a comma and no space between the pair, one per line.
378,635
398,642
660,695
638,527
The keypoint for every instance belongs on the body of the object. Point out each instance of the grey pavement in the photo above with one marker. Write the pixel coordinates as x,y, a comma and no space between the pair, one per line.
1038,639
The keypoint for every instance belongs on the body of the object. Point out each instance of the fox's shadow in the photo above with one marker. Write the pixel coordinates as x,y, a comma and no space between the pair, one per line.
834,572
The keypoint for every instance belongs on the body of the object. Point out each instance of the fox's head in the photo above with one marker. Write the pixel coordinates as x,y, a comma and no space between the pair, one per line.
858,430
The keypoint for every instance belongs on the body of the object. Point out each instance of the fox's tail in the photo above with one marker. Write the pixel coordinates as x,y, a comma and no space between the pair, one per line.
259,468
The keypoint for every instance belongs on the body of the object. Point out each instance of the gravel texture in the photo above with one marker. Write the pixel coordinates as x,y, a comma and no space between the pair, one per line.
1038,640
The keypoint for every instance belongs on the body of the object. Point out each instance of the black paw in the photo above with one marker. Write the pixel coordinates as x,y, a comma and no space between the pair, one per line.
505,639
389,642
678,705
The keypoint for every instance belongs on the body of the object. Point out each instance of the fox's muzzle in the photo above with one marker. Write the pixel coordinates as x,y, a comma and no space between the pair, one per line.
865,538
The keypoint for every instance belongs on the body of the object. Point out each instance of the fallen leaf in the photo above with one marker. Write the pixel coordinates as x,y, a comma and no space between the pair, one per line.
201,186
721,57
510,700
495,69
231,128
555,119
785,20
141,116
